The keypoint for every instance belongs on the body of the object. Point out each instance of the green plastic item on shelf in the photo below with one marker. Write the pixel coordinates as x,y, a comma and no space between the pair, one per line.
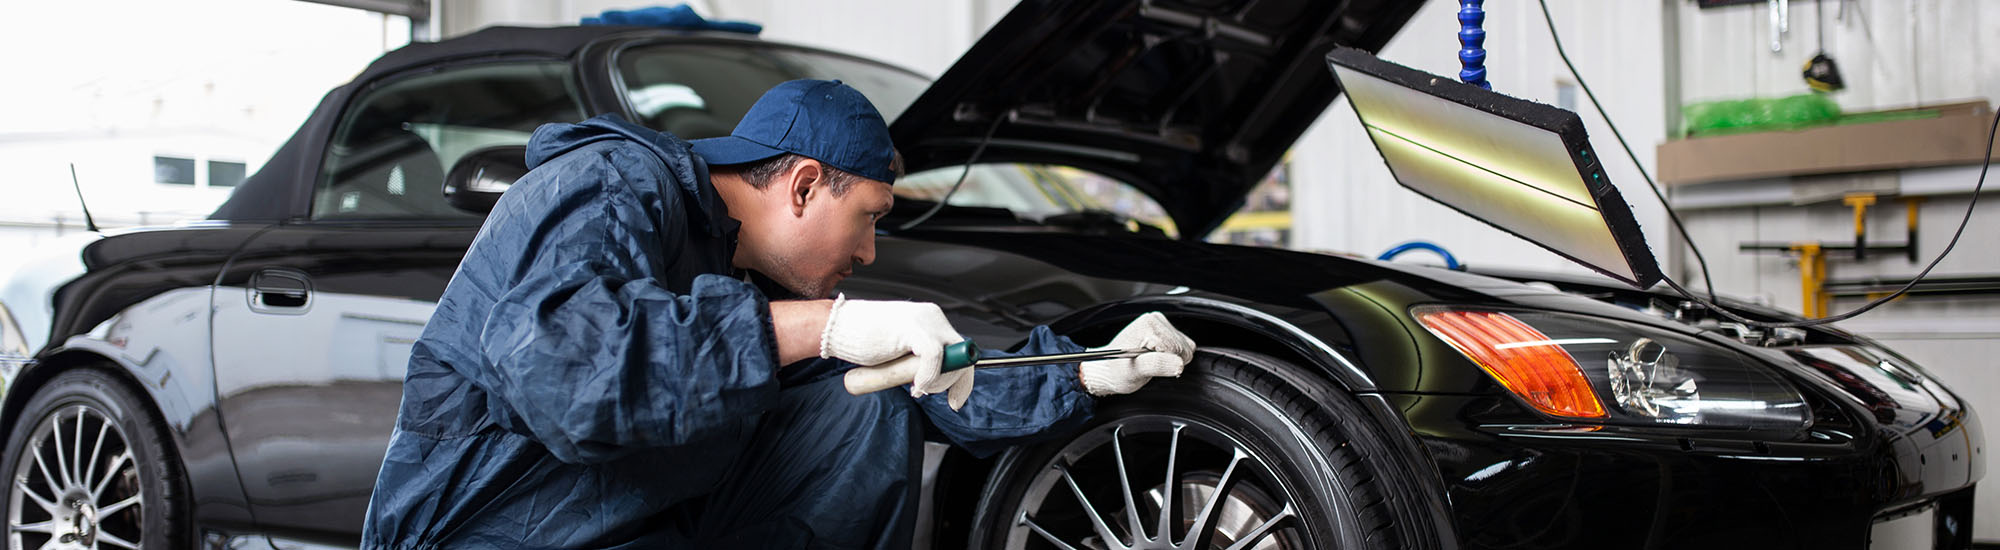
1760,114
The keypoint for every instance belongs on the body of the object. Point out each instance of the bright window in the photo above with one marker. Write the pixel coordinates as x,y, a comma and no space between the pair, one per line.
173,170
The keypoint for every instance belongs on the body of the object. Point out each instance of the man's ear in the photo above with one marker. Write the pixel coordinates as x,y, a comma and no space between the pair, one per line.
799,182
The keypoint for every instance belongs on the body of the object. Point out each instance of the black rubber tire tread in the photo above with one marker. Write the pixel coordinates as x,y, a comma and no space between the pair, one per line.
1280,382
1333,423
160,469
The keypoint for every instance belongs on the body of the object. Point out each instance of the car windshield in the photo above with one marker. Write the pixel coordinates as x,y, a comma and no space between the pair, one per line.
700,90
1036,192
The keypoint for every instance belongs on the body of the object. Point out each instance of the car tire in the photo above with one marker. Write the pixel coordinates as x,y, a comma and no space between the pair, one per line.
106,477
1307,469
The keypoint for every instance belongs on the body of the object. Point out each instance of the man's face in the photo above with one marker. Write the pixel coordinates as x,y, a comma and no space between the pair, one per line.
830,235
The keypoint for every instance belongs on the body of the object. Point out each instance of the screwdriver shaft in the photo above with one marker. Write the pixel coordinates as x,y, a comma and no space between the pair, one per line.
997,362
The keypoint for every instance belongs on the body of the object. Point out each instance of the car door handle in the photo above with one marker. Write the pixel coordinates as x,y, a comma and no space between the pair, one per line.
280,290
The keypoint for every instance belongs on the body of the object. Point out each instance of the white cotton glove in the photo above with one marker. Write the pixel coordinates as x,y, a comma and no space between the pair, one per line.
1168,351
903,341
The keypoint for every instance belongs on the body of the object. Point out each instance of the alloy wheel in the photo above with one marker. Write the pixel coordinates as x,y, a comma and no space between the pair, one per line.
1224,493
78,487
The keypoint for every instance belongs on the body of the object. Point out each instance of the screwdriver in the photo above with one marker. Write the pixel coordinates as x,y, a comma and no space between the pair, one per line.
967,354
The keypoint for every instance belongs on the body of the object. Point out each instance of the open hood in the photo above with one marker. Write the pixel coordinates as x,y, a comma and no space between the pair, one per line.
1192,102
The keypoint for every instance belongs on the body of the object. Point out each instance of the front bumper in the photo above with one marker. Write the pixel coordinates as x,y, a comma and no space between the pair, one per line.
1516,480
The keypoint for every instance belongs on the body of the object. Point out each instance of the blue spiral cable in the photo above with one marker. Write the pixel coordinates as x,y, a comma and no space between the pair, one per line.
1450,261
1472,42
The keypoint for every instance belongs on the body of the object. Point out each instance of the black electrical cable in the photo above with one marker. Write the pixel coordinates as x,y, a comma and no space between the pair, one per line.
969,161
1650,185
1710,303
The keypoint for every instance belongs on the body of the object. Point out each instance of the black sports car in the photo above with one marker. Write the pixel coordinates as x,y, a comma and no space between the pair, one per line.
232,383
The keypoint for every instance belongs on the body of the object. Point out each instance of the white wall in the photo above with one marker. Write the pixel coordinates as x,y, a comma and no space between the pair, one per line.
922,35
1892,53
109,85
925,36
115,171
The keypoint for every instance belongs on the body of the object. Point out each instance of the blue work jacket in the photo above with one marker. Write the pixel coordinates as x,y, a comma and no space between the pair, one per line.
596,362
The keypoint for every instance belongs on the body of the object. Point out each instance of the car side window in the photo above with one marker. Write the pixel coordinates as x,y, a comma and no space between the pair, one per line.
389,156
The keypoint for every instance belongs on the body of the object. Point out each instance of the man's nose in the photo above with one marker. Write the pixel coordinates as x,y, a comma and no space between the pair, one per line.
866,255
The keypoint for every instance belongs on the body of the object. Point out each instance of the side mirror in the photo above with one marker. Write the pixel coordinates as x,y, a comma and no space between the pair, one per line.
477,179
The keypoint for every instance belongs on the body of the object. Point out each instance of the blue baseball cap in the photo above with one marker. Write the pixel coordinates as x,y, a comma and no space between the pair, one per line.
824,120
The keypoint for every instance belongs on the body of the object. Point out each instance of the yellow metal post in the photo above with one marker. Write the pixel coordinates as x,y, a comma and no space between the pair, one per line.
1812,279
1910,214
1860,202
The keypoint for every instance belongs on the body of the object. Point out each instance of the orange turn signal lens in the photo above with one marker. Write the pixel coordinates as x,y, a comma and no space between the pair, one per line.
1524,360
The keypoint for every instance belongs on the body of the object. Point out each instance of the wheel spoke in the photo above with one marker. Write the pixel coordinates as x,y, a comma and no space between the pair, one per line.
1173,482
1125,486
78,475
1096,521
1030,523
47,527
106,511
49,480
1203,530
47,505
62,464
1265,529
1222,496
109,472
95,451
104,538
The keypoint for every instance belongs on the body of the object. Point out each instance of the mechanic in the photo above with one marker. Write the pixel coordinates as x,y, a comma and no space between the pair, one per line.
604,370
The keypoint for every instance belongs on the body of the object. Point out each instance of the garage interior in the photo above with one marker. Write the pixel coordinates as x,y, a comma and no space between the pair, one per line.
159,124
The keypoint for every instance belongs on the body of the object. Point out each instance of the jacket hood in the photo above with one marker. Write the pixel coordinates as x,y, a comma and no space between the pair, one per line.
551,140
689,172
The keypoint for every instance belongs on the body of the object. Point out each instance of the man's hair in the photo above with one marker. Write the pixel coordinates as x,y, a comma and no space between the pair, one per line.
761,173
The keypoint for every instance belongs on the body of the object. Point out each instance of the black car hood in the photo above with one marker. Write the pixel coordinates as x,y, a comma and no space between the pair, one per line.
1193,102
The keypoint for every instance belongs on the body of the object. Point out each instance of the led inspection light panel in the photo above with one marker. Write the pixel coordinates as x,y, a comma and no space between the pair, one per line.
1521,166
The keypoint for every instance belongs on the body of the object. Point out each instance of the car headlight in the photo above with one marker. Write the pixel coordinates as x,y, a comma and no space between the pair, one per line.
1600,370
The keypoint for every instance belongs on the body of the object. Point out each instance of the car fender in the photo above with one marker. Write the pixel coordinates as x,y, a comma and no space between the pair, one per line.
1298,335
169,368
27,288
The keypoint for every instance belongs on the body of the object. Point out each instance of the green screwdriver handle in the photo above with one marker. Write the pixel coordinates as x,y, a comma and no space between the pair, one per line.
959,355
869,380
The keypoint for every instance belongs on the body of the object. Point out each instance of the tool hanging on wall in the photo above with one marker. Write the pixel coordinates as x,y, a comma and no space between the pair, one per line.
1820,71
1814,299
1781,23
